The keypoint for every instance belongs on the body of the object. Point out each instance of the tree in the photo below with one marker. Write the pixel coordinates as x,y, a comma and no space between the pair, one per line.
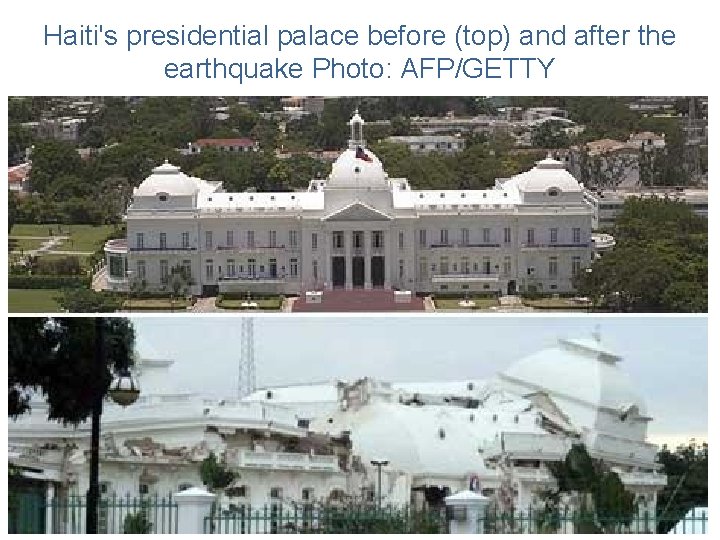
214,474
604,504
51,160
55,357
687,472
549,135
659,264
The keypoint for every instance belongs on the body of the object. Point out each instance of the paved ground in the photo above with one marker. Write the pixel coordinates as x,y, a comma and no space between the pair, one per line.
358,301
205,305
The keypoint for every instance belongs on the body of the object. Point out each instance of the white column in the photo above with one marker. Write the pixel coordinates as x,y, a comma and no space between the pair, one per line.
347,239
194,505
467,512
327,254
49,496
388,251
367,240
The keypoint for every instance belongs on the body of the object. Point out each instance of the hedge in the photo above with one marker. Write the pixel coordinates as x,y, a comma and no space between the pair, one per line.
48,282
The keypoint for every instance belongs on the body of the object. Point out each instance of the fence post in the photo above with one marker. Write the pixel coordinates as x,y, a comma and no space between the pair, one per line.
194,506
467,512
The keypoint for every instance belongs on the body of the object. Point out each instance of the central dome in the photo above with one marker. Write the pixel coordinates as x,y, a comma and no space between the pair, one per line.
357,167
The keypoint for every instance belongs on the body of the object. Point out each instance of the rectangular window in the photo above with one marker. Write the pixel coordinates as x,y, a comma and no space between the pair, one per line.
272,239
507,266
185,240
576,262
358,239
338,239
422,237
163,240
315,270
423,269
486,236
251,239
209,267
140,270
486,265
230,268
576,235
531,237
208,240
401,269
377,239
272,268
444,267
444,237
553,267
401,240
187,269
314,241
464,237
164,272
293,268
465,265
293,239
507,235
252,269
229,240
139,240
553,235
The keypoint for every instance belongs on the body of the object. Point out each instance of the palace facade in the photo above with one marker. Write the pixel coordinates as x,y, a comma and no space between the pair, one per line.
358,228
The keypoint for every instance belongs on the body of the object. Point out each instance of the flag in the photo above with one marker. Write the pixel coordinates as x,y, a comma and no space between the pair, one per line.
360,154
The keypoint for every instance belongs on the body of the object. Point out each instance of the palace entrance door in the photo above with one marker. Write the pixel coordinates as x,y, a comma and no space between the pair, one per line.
358,272
377,271
338,272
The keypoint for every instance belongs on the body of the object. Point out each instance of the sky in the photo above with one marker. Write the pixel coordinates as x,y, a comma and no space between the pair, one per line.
665,357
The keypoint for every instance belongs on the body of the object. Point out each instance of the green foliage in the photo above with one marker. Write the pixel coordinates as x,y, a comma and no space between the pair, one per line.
48,282
549,135
659,264
56,357
138,522
605,505
687,471
215,474
85,300
68,265
52,160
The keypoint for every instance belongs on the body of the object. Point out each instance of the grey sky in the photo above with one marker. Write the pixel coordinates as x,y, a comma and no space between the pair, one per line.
666,357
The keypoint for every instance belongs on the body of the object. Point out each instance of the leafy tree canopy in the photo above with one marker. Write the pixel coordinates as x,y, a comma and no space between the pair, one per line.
55,357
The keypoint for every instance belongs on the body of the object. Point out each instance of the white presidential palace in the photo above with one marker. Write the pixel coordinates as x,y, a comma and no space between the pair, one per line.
317,442
357,229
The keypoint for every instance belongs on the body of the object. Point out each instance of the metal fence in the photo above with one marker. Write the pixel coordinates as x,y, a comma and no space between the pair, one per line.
568,522
30,514
322,519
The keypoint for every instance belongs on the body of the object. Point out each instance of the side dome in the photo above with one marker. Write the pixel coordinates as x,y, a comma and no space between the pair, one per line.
167,179
548,176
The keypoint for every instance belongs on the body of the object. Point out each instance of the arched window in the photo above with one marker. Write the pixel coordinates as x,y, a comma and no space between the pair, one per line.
553,192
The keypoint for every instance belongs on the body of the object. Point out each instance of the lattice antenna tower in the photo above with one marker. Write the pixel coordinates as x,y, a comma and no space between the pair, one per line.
246,369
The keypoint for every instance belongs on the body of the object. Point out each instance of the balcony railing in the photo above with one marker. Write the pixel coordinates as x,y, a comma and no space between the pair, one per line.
287,460
466,245
555,245
458,277
253,247
138,249
255,277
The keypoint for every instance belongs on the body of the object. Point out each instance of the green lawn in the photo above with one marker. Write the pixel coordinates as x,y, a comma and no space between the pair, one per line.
32,300
24,244
453,303
266,304
155,304
555,303
82,237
